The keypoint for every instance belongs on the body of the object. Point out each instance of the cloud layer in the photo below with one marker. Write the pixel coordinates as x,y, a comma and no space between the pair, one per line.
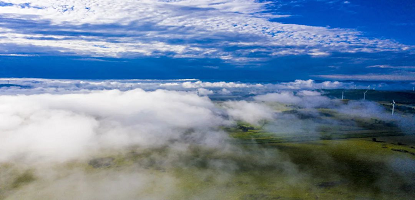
215,90
225,29
67,126
155,144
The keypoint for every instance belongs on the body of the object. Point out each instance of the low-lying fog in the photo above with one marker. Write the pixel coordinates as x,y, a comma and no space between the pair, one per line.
162,144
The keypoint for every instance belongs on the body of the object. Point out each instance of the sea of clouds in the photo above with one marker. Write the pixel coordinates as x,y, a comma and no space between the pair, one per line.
56,86
47,123
63,119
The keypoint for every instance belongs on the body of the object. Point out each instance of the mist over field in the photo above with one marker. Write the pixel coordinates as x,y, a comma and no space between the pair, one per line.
77,143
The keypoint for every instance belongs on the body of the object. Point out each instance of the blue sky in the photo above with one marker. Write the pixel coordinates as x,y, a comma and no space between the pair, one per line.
215,39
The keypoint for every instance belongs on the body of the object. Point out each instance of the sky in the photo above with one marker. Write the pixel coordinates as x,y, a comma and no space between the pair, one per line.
238,40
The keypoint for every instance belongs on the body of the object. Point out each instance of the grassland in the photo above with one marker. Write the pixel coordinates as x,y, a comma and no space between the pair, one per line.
355,158
262,167
343,161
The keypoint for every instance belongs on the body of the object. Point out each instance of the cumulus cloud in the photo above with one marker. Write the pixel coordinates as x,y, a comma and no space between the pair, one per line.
237,89
283,97
204,92
308,93
66,126
303,98
224,91
238,110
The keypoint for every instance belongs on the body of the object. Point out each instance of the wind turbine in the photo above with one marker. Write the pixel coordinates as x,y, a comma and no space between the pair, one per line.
342,95
364,95
393,106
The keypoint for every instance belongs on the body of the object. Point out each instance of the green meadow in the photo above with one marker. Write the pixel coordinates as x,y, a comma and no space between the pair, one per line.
357,158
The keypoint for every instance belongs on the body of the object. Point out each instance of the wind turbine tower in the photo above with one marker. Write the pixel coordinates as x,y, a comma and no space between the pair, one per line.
364,95
393,106
342,95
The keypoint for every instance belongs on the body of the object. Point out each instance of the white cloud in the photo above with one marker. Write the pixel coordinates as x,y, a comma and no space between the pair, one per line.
204,92
158,139
318,53
144,28
283,97
17,55
224,91
252,113
303,98
305,93
391,67
311,84
243,90
409,76
62,127
221,84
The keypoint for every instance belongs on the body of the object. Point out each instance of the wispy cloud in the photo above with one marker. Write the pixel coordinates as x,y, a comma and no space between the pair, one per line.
372,77
391,67
17,55
185,28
